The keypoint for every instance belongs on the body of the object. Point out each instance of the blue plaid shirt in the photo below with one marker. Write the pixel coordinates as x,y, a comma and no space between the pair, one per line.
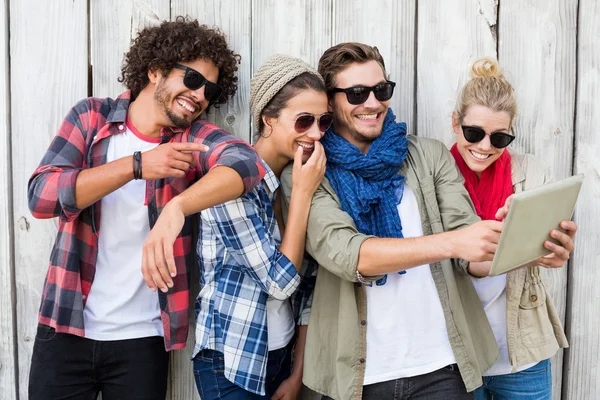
240,267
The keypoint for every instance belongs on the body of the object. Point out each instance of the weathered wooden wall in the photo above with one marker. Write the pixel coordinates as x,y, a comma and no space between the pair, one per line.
542,69
8,355
581,373
55,53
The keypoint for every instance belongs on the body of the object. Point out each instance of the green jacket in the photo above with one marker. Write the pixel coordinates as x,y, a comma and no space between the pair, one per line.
334,362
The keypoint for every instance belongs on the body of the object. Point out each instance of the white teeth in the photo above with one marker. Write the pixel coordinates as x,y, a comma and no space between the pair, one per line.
186,106
306,145
367,116
479,156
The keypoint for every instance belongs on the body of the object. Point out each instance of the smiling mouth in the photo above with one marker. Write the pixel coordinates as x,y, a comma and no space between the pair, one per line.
187,106
480,156
368,117
306,146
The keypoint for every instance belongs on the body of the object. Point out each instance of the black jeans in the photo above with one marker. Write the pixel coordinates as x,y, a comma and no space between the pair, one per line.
65,366
443,384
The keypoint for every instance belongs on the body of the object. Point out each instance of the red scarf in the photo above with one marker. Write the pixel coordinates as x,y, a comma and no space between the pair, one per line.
490,191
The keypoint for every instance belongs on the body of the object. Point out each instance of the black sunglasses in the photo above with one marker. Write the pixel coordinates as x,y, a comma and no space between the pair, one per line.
359,94
306,121
194,80
474,134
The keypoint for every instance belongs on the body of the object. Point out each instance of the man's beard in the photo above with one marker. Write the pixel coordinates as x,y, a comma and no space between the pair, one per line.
162,97
361,137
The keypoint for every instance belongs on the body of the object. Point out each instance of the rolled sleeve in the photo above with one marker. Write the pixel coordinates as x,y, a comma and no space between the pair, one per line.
242,158
51,188
252,246
283,277
228,151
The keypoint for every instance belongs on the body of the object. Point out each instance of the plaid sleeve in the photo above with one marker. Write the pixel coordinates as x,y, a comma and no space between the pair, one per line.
227,150
302,298
250,243
51,188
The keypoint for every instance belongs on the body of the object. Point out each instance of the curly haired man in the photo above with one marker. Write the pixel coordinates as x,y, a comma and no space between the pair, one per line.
116,294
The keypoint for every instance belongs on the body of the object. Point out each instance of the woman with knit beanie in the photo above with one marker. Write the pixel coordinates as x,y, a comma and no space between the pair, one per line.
249,261
525,323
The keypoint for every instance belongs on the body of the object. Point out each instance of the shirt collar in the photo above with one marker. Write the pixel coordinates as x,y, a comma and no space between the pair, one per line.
120,108
270,179
516,172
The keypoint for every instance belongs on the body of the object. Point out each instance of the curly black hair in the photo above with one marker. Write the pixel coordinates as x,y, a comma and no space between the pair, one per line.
163,46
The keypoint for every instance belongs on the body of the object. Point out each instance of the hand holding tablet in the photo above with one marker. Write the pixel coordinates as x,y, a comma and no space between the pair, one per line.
531,216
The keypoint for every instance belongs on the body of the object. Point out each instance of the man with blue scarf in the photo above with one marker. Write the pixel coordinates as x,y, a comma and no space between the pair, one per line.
394,312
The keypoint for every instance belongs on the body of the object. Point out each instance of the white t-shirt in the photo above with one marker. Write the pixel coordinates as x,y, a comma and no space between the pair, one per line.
406,328
280,323
280,318
492,293
120,305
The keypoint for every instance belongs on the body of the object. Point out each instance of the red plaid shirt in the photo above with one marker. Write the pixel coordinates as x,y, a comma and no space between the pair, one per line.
80,144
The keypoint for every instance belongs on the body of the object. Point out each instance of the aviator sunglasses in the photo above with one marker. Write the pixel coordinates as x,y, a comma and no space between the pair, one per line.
359,94
474,134
194,80
306,121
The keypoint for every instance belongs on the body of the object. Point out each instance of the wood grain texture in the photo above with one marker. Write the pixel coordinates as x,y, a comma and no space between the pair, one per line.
428,47
582,359
389,25
299,28
233,17
451,35
542,71
49,74
8,385
114,24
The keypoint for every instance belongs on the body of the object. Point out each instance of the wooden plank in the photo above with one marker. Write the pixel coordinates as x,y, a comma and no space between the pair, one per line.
233,18
297,28
389,25
300,29
8,360
114,24
451,35
49,74
542,71
582,359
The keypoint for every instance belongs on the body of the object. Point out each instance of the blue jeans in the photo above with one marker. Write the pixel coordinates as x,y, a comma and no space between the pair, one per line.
209,367
534,383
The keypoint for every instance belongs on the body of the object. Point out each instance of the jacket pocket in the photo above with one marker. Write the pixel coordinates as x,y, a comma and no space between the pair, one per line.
534,322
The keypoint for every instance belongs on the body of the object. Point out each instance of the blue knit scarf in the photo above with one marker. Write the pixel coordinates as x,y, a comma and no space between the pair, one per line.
368,184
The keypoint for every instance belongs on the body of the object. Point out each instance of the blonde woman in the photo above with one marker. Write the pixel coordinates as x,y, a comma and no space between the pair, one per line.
525,323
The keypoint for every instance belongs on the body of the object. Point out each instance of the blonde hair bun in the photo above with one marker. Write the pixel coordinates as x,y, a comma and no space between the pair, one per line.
488,87
486,67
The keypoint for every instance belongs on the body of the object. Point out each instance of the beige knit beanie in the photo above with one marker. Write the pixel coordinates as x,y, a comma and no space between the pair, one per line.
273,75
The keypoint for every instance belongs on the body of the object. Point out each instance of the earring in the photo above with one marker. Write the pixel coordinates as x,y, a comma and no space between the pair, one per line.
270,132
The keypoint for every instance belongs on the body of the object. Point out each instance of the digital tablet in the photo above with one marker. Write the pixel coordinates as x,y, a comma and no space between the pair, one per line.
531,216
